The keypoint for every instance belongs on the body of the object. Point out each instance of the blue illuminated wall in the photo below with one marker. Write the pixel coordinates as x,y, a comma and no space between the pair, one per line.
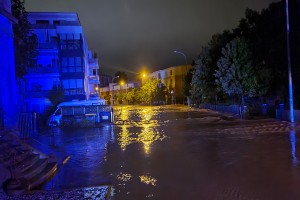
8,84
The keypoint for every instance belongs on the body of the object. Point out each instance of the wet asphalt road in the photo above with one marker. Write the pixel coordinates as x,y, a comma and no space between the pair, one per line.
170,152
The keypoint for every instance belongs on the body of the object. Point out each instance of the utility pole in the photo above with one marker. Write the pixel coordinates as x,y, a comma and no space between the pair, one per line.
289,62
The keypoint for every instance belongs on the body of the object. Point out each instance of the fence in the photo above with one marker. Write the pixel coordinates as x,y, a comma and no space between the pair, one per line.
27,125
233,109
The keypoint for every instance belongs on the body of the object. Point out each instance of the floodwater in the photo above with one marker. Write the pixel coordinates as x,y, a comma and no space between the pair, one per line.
171,152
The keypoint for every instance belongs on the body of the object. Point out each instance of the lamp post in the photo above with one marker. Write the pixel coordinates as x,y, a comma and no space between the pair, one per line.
143,76
289,62
113,97
186,69
172,93
182,55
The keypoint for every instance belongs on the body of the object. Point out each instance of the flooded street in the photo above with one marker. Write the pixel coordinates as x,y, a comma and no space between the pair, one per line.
175,153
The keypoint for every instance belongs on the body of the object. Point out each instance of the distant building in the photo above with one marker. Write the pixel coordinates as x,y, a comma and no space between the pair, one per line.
8,84
172,78
63,61
105,80
114,89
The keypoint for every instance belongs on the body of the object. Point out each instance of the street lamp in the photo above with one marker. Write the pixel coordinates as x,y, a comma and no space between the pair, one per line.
143,76
182,55
113,98
289,62
172,93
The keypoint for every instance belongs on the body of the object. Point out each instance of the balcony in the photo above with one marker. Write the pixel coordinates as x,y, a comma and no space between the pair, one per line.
37,94
47,46
93,63
43,70
94,80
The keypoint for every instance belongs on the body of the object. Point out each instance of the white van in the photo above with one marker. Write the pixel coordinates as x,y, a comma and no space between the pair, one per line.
72,112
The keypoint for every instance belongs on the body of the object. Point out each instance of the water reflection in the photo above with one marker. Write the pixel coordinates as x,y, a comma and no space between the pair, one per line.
293,145
148,180
139,128
124,177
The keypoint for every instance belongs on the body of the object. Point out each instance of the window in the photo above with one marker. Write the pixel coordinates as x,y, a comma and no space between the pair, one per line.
56,22
72,83
65,84
79,83
158,76
69,36
170,72
42,21
63,36
64,62
77,61
76,36
94,72
71,61
79,69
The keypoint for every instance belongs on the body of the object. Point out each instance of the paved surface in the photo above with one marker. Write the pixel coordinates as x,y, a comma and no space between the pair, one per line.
170,152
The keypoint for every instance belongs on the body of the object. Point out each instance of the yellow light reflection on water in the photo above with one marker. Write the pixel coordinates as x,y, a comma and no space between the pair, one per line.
125,137
124,177
148,180
145,127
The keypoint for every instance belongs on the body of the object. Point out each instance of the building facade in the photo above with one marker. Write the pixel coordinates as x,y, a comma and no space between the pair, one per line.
64,61
8,84
173,78
114,89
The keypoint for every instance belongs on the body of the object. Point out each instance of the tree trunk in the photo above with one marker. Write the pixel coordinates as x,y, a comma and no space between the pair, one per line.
242,107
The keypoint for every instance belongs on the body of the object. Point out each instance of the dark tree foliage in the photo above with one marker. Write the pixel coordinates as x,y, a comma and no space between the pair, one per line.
56,96
25,41
266,32
187,83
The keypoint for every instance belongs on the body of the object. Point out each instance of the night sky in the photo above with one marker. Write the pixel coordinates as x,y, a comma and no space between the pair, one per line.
131,35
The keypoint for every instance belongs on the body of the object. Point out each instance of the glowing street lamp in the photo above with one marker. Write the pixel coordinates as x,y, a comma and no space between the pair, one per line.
143,76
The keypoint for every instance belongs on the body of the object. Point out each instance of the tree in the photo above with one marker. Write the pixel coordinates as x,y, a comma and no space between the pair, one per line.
199,83
25,41
187,85
236,74
148,91
56,95
160,95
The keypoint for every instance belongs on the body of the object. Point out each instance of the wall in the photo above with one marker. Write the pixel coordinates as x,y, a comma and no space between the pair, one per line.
8,83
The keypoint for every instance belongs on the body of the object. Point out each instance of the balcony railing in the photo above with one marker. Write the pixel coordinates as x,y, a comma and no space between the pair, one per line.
41,70
37,94
93,63
47,45
94,79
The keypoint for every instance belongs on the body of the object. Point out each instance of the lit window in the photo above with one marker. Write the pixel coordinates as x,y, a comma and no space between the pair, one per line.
69,36
64,62
77,61
65,84
63,36
79,83
71,61
77,36
72,83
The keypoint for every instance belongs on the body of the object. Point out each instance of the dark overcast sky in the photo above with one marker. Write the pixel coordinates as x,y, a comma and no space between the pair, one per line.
129,35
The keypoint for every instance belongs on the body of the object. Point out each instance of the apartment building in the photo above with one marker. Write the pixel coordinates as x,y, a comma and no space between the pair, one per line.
8,86
63,61
172,78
